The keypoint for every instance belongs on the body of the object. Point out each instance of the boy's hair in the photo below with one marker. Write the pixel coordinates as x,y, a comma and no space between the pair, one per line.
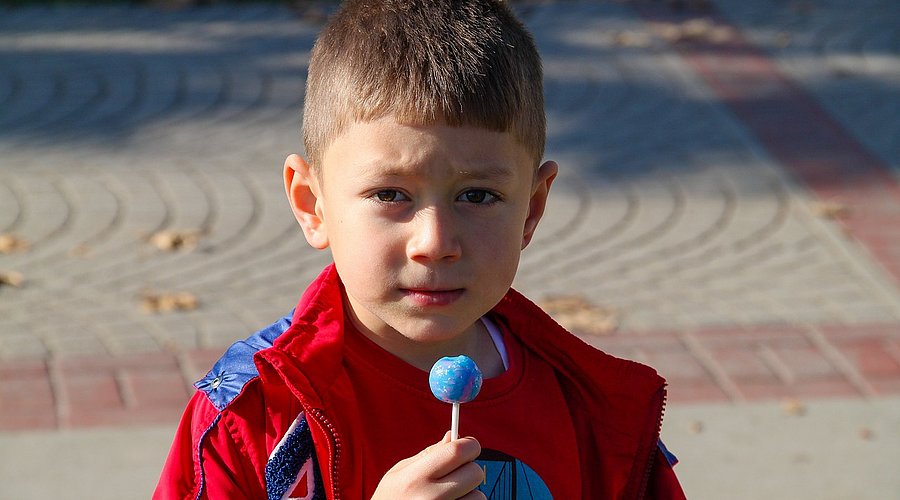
461,62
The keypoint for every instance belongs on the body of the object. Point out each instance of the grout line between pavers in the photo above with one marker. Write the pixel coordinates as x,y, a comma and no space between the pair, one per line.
840,362
61,404
776,364
187,369
712,367
892,349
125,389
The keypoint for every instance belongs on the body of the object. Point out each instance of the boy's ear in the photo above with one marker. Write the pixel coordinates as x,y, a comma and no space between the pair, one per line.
304,194
543,179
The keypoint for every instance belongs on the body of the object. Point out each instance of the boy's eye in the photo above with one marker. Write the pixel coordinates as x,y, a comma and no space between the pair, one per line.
478,196
389,195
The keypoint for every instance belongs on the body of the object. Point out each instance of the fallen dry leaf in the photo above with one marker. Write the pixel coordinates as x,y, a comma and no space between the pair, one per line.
721,34
577,314
783,40
10,243
169,302
12,278
82,250
694,30
669,32
793,407
829,210
632,39
171,241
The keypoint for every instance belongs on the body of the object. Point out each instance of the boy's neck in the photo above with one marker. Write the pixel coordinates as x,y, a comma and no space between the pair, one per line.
475,342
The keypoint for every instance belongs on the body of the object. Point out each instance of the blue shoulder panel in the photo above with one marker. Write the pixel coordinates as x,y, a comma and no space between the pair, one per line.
670,457
235,368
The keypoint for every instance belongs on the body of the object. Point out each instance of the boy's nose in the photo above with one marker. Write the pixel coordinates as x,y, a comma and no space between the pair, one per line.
433,237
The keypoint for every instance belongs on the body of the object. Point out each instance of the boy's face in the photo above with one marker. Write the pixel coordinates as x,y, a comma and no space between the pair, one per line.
425,223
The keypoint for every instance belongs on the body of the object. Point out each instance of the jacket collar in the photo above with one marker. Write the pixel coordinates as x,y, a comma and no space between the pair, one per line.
619,400
308,355
316,336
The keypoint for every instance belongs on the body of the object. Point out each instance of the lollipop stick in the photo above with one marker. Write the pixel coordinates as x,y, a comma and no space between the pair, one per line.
454,423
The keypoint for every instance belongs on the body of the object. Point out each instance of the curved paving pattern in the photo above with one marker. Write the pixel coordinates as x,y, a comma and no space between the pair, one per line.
680,221
119,123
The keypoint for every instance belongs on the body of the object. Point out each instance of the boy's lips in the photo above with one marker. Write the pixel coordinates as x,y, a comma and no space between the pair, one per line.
428,297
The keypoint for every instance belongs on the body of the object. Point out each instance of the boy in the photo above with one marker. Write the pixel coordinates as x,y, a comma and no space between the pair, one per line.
424,130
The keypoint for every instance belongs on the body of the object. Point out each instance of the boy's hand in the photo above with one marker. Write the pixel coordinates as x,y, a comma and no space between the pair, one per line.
444,470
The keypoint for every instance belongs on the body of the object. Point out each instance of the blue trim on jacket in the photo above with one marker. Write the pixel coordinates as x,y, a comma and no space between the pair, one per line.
225,382
670,457
200,456
284,466
236,368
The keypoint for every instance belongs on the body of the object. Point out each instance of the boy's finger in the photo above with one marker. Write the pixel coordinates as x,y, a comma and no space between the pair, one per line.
418,456
463,479
443,458
445,439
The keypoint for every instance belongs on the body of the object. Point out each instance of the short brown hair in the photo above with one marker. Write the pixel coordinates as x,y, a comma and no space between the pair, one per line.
463,62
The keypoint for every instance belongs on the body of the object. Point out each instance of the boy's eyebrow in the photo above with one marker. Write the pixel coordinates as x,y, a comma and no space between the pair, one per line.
489,172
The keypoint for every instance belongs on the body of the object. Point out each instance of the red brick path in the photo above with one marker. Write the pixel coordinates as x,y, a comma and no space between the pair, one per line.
753,364
716,365
99,391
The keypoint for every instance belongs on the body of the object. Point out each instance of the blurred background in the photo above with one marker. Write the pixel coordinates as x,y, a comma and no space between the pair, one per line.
727,211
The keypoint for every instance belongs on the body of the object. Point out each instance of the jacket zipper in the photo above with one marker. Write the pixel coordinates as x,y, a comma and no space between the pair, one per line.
646,479
336,440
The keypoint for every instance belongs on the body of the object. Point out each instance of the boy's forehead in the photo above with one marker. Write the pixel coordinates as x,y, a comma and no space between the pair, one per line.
398,151
386,144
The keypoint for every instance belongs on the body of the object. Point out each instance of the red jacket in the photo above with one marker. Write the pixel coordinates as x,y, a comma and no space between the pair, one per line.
258,422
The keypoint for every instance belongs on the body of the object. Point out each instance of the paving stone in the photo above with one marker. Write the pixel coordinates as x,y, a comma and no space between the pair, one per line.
26,397
20,345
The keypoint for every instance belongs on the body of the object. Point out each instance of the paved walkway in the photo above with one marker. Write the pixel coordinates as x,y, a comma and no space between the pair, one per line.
728,208
723,202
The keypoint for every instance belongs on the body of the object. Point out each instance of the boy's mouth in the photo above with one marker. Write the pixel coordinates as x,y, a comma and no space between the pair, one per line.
424,297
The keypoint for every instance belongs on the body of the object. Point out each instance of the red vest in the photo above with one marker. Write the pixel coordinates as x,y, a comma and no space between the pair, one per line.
222,447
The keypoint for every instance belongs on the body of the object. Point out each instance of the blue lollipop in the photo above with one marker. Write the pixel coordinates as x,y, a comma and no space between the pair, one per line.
455,380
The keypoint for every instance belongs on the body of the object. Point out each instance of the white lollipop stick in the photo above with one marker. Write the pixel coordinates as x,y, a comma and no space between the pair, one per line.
454,423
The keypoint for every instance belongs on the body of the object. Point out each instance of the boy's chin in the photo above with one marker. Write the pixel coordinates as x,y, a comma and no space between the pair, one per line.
432,333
